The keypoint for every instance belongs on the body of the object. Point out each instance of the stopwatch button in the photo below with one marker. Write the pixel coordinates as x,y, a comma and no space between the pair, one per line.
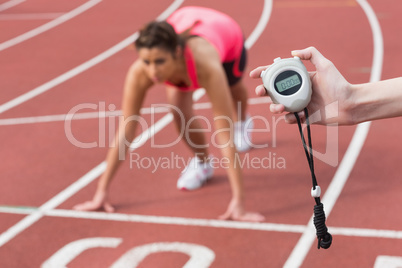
277,59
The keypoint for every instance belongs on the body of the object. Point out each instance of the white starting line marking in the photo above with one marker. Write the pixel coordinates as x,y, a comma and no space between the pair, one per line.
270,227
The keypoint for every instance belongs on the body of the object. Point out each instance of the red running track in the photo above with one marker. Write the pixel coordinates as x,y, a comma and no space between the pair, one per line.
43,173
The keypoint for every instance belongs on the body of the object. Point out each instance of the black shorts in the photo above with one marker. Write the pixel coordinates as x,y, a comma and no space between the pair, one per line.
234,69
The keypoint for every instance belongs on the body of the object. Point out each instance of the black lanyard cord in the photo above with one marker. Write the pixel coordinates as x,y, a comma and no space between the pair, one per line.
324,238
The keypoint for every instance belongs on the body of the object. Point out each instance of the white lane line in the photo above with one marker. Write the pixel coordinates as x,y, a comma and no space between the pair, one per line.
176,221
30,16
304,244
10,4
47,26
93,215
261,25
362,232
83,67
94,173
270,227
81,182
102,114
77,185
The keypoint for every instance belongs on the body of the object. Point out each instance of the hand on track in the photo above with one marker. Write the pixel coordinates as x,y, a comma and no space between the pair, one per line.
236,212
98,203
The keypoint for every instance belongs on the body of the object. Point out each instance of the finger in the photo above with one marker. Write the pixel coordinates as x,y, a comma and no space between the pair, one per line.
226,216
87,206
256,73
304,54
260,91
251,217
277,108
291,118
80,206
108,208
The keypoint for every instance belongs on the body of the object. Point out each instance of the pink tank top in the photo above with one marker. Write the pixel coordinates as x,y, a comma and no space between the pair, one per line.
217,28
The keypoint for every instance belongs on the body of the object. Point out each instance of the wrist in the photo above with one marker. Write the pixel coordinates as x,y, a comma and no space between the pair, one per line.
238,198
100,196
102,188
348,111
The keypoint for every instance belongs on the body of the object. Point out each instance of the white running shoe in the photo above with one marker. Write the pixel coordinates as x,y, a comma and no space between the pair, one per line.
195,175
242,134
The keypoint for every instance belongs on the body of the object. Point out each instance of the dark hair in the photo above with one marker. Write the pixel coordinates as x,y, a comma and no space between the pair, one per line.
158,34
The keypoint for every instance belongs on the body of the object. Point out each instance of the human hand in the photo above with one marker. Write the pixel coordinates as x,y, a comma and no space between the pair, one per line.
99,202
235,211
331,96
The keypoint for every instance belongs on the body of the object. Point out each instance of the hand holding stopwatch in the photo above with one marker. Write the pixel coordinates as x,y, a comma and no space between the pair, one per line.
287,82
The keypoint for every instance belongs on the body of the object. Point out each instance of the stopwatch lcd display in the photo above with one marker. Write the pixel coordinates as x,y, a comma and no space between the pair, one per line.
288,82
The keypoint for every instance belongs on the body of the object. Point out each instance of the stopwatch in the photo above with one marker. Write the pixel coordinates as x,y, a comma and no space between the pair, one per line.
287,82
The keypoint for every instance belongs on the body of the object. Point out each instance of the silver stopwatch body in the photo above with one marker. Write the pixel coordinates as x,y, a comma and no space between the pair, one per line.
287,82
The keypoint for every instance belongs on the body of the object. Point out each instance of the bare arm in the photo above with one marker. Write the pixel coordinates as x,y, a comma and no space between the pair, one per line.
135,88
353,103
376,100
212,78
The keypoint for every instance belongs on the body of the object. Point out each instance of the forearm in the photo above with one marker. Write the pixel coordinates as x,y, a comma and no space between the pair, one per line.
220,96
224,136
234,173
116,154
229,152
376,100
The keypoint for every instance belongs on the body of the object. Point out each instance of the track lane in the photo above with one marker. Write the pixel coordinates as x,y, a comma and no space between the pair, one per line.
39,60
273,183
27,221
47,26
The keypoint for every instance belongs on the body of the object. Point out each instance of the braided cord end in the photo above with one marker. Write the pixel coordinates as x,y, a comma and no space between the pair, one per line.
324,238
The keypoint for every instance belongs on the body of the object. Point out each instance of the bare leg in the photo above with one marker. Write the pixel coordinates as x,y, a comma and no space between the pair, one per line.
242,134
184,117
239,96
